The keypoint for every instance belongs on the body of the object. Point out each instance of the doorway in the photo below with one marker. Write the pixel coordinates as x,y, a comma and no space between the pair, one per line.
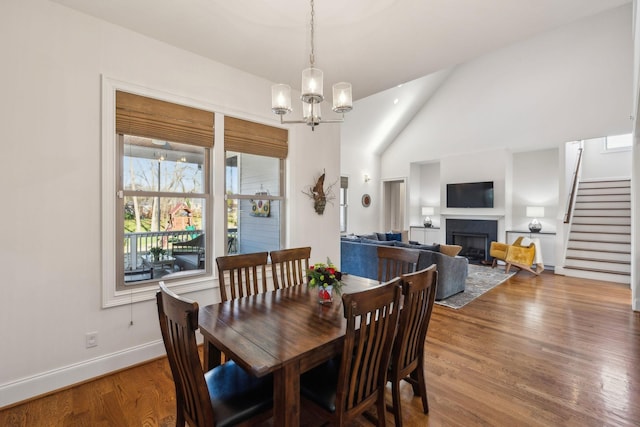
394,201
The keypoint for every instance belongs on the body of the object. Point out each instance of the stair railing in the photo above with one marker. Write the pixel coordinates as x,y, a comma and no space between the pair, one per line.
574,188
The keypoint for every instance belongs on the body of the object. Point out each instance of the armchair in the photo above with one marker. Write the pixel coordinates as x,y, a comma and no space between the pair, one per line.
520,254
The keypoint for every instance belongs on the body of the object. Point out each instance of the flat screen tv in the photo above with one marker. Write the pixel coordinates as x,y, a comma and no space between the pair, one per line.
470,195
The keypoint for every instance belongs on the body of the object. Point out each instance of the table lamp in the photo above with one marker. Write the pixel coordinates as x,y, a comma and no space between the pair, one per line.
535,212
426,211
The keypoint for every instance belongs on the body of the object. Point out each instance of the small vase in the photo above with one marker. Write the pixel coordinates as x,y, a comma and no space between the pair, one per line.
325,295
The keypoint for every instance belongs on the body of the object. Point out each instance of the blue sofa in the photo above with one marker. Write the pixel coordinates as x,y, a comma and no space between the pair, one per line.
360,258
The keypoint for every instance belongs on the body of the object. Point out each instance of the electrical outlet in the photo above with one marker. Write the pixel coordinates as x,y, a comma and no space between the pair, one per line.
91,339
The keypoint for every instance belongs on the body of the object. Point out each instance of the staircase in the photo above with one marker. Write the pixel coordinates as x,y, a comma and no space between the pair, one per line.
599,245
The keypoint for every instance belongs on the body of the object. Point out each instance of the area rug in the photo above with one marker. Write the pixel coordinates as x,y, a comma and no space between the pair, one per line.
479,280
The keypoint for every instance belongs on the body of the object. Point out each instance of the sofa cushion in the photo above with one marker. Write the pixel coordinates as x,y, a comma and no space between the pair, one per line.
435,247
378,242
381,236
372,236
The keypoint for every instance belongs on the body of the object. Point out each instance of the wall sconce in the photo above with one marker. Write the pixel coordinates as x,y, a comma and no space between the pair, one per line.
367,178
426,212
535,212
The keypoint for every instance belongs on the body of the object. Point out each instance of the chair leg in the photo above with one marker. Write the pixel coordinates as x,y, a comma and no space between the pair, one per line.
507,268
397,406
382,420
421,385
494,263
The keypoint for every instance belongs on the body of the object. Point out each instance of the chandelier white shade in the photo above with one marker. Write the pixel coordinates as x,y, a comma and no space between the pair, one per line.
311,93
281,99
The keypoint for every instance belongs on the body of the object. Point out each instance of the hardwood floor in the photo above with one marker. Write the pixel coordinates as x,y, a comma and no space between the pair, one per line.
534,351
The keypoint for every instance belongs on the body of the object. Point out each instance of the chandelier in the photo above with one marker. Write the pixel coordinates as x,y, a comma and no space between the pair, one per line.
312,94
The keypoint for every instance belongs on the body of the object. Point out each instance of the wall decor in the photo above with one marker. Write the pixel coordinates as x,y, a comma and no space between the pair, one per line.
366,200
260,207
320,194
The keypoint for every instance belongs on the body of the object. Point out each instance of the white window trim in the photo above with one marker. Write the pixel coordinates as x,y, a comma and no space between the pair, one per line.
110,296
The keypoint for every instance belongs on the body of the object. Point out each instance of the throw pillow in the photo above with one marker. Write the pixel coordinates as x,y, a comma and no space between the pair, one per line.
381,236
394,236
451,250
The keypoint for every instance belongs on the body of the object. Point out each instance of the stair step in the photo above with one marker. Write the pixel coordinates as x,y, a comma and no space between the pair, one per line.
596,220
582,198
599,237
603,191
602,212
606,183
602,246
599,255
594,275
602,205
602,228
597,270
601,266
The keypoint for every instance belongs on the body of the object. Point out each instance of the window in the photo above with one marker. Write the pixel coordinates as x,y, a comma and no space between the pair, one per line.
618,142
344,186
163,186
254,186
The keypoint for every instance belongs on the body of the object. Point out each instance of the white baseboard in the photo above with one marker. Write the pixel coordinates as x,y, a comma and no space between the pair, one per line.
39,384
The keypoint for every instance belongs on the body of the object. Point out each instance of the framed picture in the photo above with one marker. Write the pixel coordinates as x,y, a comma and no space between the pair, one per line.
366,200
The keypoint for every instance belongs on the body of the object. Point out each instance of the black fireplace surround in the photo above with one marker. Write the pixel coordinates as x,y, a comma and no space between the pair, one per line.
475,237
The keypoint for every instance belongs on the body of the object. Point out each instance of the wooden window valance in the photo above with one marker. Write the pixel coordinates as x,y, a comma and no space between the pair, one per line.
255,138
151,118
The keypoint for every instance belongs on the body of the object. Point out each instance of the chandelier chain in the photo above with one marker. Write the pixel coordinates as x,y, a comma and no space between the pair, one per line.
312,58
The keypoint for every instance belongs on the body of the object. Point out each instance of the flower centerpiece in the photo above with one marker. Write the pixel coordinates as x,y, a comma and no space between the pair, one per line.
157,252
326,278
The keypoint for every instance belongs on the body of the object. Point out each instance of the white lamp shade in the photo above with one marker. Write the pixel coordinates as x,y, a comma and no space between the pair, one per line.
342,100
312,113
312,85
281,99
535,211
426,210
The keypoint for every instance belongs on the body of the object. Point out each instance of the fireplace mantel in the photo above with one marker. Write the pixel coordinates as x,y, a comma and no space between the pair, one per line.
494,217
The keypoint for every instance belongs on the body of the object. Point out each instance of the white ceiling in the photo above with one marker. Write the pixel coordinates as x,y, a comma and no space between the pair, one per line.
374,44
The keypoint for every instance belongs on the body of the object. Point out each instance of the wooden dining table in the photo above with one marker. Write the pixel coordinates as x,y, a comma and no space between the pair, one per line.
283,332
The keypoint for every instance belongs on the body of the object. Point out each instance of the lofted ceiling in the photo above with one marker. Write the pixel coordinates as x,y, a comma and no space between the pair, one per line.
374,44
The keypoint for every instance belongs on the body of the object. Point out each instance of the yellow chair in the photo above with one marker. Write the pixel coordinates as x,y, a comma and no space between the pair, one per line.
516,254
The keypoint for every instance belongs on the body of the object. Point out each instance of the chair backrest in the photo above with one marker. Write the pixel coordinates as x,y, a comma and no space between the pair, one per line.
372,319
178,323
289,266
419,292
394,262
246,274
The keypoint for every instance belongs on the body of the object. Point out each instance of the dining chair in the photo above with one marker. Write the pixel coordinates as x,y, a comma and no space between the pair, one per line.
246,274
345,387
224,396
407,356
394,262
289,266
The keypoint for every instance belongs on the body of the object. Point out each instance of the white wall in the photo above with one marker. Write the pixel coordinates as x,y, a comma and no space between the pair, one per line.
355,162
564,85
53,60
429,192
600,164
536,182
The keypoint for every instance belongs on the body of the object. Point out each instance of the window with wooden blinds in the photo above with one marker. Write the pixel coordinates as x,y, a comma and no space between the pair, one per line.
151,118
255,138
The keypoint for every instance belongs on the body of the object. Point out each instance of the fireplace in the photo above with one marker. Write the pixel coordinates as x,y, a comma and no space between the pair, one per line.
475,237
